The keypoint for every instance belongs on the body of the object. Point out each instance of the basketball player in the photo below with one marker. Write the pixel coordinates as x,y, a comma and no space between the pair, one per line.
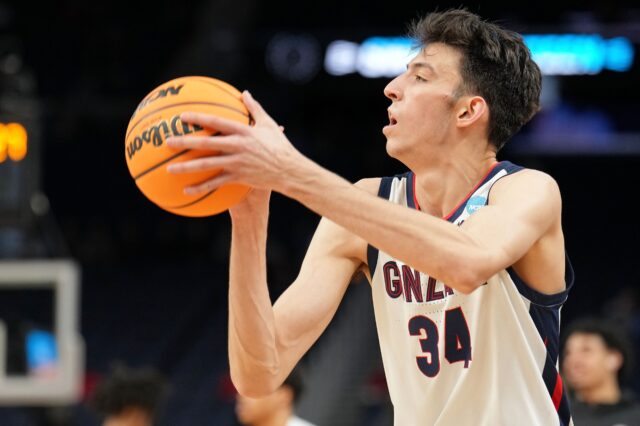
465,254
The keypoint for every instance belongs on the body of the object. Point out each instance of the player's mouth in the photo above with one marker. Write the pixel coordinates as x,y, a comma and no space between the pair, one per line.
392,122
392,119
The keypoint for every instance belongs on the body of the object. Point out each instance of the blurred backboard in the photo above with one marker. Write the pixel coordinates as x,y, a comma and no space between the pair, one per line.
40,363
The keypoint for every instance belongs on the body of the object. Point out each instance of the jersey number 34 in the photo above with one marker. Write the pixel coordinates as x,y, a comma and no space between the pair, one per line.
457,342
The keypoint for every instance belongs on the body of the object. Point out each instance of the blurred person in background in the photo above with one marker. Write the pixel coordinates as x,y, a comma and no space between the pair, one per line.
129,397
596,360
623,309
276,409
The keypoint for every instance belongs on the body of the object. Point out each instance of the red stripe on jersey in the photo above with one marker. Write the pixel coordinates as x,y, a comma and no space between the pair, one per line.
557,393
464,200
415,199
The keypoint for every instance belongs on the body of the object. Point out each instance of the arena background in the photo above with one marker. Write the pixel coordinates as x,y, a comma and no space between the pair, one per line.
154,285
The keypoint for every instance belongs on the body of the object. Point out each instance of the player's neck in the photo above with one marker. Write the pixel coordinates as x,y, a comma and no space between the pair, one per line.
607,393
444,182
278,418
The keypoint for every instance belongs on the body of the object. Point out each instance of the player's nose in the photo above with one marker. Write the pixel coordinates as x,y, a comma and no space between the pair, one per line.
392,90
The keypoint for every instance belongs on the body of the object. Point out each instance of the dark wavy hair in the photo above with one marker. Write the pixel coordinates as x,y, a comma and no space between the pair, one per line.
496,64
126,388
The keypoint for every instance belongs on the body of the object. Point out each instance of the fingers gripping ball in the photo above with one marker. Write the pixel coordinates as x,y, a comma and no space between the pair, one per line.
155,119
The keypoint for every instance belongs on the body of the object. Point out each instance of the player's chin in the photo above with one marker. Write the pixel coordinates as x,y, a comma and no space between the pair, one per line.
393,148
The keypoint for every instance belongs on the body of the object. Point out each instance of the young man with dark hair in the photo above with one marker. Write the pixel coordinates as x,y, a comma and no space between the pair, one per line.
595,362
465,254
129,397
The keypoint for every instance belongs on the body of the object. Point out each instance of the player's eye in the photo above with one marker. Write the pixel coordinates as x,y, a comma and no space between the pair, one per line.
419,78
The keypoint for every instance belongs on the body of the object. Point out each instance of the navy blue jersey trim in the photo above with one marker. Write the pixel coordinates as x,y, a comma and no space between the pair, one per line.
372,253
547,322
541,299
510,167
553,382
410,195
564,411
503,165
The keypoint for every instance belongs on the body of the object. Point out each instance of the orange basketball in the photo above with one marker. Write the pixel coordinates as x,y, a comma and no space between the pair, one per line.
155,119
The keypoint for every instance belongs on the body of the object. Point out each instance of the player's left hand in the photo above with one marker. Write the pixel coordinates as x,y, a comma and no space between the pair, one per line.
260,155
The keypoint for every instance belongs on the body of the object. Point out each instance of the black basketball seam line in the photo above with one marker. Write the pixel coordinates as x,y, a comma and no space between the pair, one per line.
213,83
234,95
190,203
204,80
173,157
155,166
185,103
209,178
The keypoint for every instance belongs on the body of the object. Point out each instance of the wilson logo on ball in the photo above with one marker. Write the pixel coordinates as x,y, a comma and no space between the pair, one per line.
157,134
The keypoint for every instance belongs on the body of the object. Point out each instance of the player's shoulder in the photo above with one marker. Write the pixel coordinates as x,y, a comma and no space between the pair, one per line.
530,190
371,185
528,180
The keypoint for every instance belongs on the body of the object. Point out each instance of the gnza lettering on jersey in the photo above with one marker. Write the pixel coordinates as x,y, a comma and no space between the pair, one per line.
406,282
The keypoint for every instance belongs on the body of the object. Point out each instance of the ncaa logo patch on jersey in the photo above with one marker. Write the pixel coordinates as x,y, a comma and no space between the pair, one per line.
475,203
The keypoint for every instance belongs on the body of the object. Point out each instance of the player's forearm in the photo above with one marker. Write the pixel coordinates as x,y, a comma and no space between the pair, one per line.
253,355
431,245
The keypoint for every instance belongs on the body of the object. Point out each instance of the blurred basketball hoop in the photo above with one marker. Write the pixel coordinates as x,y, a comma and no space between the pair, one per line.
52,355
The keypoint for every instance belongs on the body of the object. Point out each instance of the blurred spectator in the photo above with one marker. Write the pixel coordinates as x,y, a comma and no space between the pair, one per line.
129,397
624,310
596,359
277,409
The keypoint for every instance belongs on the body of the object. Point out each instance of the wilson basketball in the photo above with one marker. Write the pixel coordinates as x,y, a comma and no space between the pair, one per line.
155,119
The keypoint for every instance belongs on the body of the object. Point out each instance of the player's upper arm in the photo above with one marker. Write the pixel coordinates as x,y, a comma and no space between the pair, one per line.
305,309
523,208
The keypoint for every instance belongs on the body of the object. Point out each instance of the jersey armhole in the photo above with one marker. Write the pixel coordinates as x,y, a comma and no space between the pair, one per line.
541,299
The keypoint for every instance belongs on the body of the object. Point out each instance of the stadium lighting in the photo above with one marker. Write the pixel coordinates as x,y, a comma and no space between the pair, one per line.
13,141
555,54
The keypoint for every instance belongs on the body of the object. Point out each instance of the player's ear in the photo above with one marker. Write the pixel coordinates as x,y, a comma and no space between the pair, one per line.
470,109
614,361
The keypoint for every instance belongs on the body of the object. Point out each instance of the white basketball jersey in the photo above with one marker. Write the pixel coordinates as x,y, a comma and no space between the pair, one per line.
487,358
